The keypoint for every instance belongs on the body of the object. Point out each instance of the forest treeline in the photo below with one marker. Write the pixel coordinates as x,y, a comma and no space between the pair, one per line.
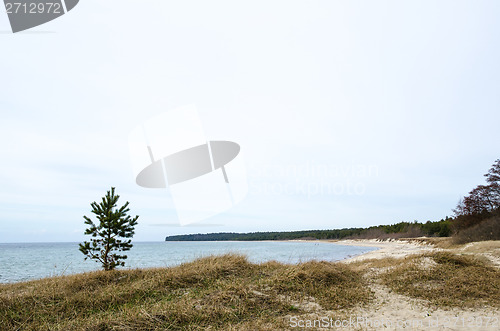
476,217
402,229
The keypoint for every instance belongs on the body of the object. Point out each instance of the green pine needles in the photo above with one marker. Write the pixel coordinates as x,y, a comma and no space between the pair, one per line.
109,235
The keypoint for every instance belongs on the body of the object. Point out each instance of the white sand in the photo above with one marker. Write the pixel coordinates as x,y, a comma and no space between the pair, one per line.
388,248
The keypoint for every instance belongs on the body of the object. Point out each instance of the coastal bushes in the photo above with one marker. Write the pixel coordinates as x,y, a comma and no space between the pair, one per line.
477,214
488,229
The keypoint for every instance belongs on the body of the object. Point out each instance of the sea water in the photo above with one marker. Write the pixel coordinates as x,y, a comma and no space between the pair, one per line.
28,261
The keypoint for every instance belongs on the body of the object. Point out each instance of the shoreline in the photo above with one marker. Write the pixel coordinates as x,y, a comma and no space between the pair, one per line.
404,247
395,248
386,249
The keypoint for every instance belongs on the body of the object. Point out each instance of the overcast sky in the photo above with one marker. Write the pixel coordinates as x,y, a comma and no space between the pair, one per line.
348,113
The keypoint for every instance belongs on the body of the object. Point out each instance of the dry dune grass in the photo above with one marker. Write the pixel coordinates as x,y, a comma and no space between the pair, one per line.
221,292
446,279
491,247
334,285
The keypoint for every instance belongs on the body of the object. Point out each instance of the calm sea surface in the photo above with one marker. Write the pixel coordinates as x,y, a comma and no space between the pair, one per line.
27,261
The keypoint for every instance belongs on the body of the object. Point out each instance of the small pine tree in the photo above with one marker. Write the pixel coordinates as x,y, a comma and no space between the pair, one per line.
113,224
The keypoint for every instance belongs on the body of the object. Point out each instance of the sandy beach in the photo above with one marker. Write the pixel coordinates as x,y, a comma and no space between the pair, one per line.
392,311
388,248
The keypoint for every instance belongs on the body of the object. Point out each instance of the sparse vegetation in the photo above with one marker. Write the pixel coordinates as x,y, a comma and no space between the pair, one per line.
446,279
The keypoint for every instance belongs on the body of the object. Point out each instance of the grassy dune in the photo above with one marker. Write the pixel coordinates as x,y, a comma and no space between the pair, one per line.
222,292
442,279
227,292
